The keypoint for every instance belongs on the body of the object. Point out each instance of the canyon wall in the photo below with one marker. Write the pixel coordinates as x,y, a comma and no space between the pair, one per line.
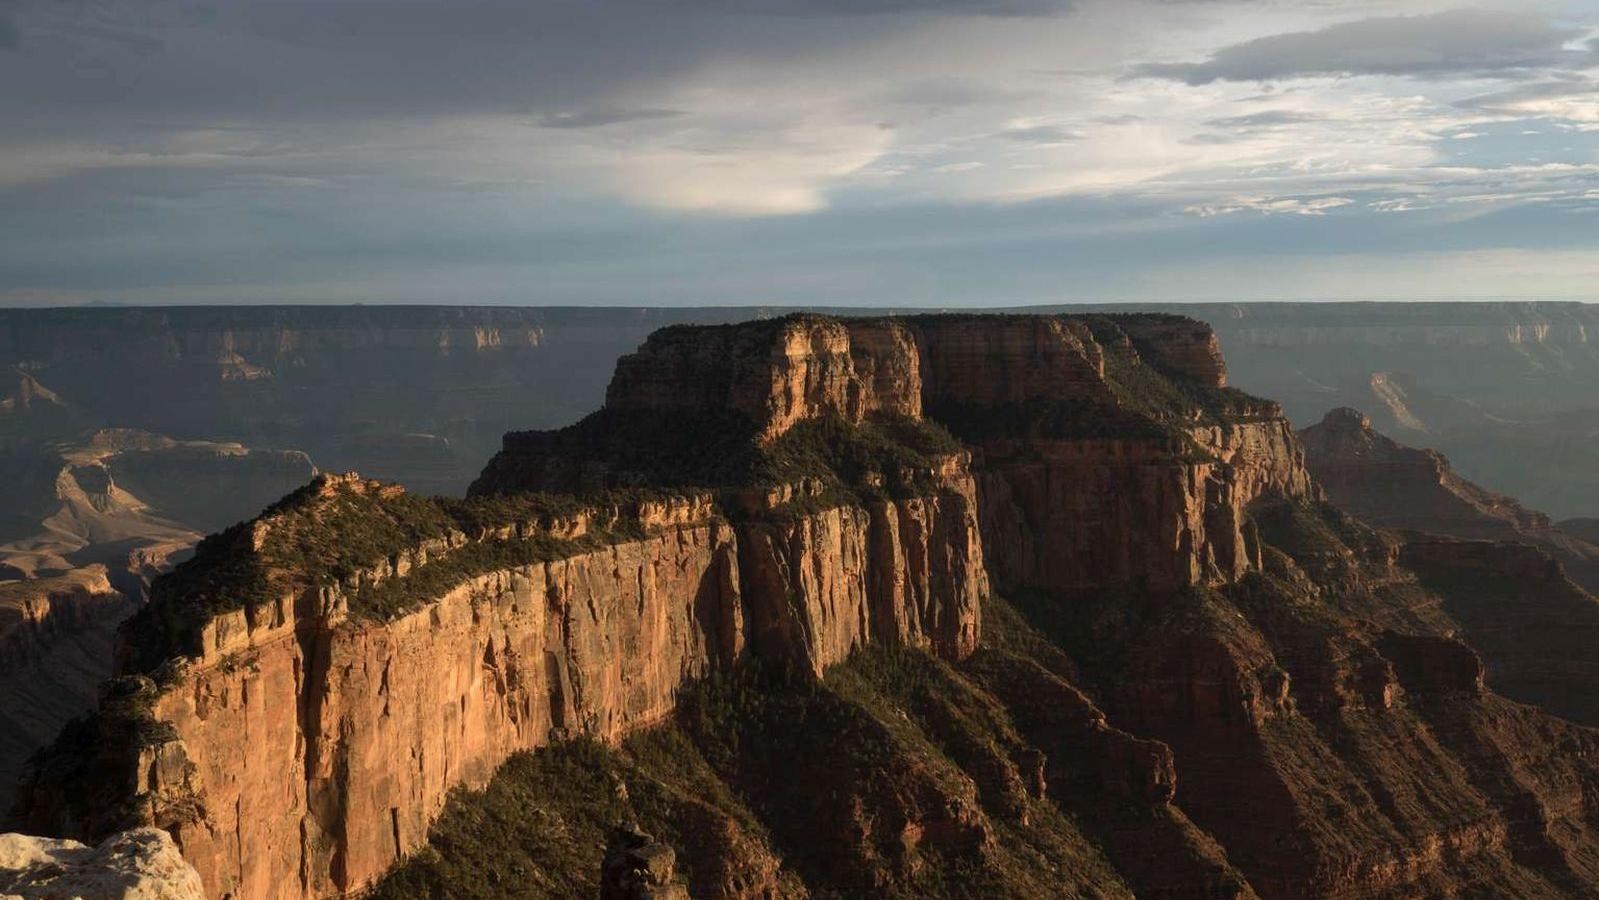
319,795
1068,453
56,645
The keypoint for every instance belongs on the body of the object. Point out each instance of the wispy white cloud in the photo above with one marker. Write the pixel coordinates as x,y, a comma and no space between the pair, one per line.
1456,42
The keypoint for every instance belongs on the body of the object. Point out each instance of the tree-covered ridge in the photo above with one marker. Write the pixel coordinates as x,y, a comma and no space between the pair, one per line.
347,531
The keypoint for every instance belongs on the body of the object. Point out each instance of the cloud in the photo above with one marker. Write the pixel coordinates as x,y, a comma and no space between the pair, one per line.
1573,100
1270,118
631,151
1042,134
1457,42
600,117
1298,206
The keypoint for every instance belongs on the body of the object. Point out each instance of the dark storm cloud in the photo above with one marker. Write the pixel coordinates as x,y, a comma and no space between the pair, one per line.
1459,42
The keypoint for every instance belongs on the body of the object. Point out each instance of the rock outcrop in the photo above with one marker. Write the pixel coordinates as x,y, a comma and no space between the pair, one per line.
1502,571
56,646
776,374
1391,485
143,864
637,867
1409,488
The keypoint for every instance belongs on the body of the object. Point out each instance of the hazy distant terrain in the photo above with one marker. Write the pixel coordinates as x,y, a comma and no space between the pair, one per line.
1506,390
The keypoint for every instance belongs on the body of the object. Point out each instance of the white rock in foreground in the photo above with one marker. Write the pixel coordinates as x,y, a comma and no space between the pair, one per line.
142,864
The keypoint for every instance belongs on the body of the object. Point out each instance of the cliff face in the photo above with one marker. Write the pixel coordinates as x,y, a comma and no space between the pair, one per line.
776,375
1391,485
902,572
303,749
55,648
1207,682
391,718
1069,452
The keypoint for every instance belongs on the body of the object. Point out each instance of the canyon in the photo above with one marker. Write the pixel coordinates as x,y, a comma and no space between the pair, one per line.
92,518
930,605
1385,483
1519,585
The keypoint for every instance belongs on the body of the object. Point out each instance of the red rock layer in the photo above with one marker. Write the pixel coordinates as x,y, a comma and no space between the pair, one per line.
776,373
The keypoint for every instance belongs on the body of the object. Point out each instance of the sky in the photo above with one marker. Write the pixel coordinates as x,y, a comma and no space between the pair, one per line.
821,152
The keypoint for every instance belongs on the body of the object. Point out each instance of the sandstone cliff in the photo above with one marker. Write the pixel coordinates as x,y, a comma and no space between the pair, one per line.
452,635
